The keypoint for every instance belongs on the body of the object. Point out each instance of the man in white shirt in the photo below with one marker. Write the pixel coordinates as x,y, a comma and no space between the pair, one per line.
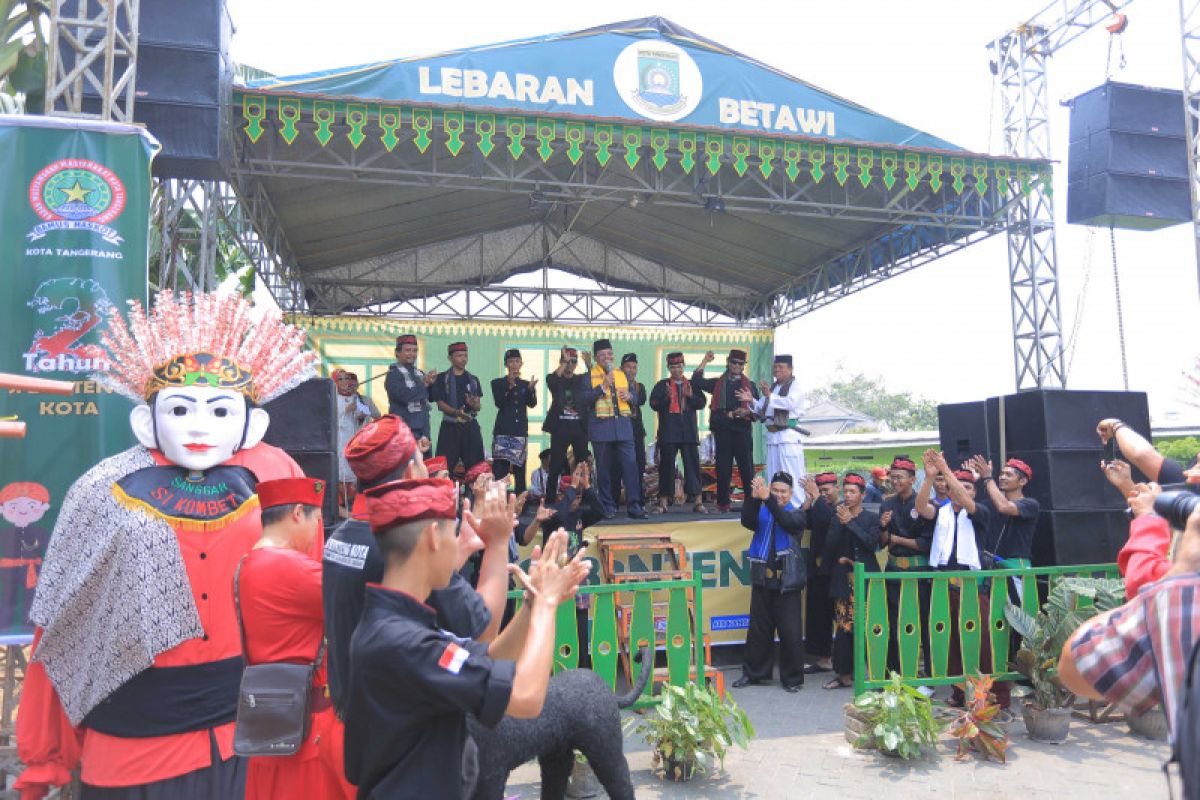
781,405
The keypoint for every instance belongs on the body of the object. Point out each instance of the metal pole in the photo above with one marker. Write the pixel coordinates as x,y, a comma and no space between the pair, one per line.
1189,28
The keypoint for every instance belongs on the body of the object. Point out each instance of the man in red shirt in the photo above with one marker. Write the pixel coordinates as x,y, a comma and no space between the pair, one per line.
137,660
278,593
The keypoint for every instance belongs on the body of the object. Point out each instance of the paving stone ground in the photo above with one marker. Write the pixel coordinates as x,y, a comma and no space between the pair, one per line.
801,752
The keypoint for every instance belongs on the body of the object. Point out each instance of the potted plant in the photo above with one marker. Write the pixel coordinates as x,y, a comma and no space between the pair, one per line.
692,728
1072,601
898,720
978,725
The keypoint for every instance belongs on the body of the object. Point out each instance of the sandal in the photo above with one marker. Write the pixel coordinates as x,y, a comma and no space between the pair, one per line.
836,683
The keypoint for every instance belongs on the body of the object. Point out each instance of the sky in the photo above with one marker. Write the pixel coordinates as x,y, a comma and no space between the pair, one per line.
943,331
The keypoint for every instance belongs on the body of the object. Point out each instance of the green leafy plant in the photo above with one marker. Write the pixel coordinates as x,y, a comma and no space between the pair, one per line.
692,728
1072,602
900,719
975,726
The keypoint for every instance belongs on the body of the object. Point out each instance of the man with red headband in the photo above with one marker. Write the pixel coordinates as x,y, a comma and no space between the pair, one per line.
138,661
407,389
822,492
906,537
960,531
22,546
853,537
414,683
1011,539
382,452
458,395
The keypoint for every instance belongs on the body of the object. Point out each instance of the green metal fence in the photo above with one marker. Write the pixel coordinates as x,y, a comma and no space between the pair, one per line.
982,596
681,629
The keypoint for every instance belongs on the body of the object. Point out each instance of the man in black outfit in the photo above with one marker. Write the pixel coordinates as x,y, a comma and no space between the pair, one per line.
822,489
778,571
730,420
637,391
566,421
676,400
907,539
407,390
510,434
458,394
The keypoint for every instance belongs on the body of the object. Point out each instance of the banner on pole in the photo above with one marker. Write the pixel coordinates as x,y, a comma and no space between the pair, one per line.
74,225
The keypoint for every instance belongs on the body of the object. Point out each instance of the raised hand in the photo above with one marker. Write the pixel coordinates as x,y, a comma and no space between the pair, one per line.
843,513
709,355
744,395
493,514
929,459
983,467
1141,498
423,444
552,579
430,377
533,383
586,355
885,518
759,488
544,513
468,542
764,387
1107,429
1119,475
810,488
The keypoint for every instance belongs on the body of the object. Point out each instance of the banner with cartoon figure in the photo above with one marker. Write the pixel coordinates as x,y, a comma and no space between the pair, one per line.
74,220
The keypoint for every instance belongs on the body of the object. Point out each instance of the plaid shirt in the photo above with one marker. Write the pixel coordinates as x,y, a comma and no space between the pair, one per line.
1118,653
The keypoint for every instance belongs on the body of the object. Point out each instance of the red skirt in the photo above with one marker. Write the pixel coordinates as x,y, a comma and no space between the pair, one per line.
315,772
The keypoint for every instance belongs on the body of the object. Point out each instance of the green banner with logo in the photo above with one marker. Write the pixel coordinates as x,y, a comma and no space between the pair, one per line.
74,219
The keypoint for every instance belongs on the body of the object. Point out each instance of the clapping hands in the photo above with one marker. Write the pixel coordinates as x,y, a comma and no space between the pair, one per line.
552,578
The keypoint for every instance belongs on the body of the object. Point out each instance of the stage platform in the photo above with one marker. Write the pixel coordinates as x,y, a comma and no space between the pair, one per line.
674,515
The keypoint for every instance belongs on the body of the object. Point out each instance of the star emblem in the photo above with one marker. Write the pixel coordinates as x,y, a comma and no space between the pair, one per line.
76,193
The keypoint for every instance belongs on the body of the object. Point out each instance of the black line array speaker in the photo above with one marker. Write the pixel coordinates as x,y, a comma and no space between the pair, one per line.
184,82
1054,431
1080,537
1127,164
304,423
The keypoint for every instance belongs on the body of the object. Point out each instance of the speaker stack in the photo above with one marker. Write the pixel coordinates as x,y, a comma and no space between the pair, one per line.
183,85
1082,518
1127,163
304,424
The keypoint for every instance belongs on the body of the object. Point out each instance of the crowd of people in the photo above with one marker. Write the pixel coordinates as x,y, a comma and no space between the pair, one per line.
183,569
596,412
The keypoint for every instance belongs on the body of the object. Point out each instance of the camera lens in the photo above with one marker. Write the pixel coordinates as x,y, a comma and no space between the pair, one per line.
1176,507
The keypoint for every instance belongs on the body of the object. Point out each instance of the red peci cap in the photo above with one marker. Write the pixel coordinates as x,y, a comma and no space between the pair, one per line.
1021,467
964,475
288,491
824,478
474,472
904,463
854,479
380,447
406,501
457,347
407,338
437,464
879,472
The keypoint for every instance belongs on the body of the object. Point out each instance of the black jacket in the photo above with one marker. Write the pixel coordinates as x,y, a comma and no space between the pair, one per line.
560,388
857,540
793,564
512,404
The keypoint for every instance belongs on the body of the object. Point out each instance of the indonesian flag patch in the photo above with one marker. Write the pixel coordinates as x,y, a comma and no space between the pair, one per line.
452,658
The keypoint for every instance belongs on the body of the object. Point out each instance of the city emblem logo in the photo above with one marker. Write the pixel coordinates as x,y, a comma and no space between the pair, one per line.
73,309
658,80
76,194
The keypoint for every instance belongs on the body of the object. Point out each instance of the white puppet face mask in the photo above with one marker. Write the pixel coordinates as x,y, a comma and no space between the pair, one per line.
198,427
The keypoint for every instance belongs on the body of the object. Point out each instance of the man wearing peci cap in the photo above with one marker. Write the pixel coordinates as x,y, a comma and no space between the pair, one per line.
730,420
566,421
778,571
458,394
414,683
676,400
637,399
514,396
907,539
1011,537
610,429
382,452
822,492
407,389
780,408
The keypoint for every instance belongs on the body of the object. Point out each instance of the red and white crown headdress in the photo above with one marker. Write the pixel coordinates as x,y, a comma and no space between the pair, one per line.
204,340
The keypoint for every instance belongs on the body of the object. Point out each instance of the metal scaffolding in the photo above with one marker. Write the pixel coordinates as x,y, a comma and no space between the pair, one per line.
1019,61
92,59
1189,24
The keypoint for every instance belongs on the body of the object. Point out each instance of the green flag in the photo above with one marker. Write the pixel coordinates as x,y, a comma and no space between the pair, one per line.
74,222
